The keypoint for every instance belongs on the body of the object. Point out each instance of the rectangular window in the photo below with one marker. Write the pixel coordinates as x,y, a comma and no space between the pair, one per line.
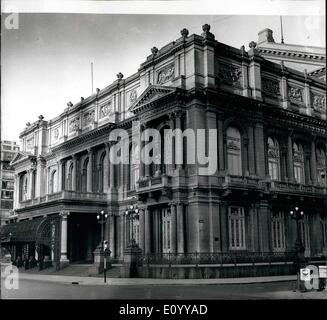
236,225
278,231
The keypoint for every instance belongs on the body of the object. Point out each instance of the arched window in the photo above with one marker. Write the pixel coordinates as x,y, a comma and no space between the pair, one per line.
134,156
23,184
53,181
234,151
321,167
273,159
84,175
298,161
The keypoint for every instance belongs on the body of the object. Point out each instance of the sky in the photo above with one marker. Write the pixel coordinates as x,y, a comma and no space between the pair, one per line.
46,62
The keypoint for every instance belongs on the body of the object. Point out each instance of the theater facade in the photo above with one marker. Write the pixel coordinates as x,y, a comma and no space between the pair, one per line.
269,122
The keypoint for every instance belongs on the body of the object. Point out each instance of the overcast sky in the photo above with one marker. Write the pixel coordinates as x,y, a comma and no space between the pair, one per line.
46,62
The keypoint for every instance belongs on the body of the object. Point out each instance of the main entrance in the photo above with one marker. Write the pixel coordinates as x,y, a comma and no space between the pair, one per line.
83,236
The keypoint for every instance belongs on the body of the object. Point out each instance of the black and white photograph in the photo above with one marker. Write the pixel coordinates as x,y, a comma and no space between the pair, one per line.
163,150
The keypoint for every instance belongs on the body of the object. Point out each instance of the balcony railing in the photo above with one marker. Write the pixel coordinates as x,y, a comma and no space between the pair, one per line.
154,182
283,186
240,181
65,194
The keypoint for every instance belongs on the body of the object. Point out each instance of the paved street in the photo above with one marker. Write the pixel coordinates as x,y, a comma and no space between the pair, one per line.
32,289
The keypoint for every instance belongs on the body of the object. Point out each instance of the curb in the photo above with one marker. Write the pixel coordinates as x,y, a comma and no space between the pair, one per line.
75,280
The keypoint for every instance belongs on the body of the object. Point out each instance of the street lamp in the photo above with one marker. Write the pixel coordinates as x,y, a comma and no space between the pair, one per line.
132,212
298,215
102,219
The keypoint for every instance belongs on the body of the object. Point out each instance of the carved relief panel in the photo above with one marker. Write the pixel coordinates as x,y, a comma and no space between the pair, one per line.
73,125
270,87
295,94
229,74
166,74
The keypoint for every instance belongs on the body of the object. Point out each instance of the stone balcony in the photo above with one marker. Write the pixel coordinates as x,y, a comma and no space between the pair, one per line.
296,188
160,183
240,182
64,195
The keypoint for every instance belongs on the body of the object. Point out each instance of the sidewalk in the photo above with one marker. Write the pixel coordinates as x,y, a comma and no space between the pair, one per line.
148,281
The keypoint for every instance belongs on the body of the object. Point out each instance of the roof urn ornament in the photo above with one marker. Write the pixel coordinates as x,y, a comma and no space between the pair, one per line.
206,32
82,99
154,50
252,45
120,76
69,104
41,117
184,33
28,124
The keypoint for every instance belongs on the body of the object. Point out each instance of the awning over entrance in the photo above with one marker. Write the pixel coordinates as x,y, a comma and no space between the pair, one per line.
24,231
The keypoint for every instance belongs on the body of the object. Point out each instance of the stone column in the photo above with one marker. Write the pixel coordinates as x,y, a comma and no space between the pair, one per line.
307,94
112,235
255,72
16,190
173,228
224,227
290,158
147,230
74,173
313,163
106,169
251,151
180,227
220,144
63,242
142,228
260,150
141,145
145,156
284,89
179,142
111,174
60,171
90,170
172,127
30,183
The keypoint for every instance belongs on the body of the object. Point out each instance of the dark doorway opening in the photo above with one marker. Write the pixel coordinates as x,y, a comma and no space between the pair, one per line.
83,237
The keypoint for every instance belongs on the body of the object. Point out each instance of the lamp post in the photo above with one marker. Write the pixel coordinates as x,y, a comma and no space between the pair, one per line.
102,219
297,214
132,213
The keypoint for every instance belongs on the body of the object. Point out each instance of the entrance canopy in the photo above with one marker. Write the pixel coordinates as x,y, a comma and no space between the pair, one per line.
24,231
40,230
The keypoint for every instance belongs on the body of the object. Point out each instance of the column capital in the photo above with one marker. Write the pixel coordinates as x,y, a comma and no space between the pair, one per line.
172,115
64,214
178,114
90,150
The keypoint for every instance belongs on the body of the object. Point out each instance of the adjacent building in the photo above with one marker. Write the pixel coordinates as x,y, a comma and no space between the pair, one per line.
8,151
269,123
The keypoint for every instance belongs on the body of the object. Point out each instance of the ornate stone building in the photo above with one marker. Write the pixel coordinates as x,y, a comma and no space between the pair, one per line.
270,130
